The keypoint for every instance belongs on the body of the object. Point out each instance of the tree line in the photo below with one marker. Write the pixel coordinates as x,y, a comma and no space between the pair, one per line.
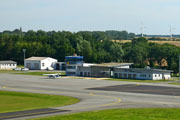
95,46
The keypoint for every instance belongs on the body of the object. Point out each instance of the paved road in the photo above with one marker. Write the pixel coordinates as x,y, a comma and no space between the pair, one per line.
91,97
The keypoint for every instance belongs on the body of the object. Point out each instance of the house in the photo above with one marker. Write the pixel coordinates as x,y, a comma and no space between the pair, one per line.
8,64
40,63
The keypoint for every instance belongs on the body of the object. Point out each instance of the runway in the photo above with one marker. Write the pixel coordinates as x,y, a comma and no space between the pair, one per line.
94,94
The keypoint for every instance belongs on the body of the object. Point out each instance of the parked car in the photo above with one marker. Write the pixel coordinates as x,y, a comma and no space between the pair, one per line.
17,69
24,69
49,68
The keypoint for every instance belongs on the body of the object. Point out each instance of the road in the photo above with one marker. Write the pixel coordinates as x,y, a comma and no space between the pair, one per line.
94,94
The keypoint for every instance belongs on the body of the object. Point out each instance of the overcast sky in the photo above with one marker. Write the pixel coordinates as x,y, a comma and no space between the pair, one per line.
93,15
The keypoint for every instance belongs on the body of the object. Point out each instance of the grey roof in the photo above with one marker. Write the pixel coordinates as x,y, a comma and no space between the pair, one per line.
36,58
8,62
111,64
143,70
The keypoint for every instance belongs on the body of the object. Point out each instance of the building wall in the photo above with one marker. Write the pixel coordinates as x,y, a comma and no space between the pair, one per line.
8,66
157,76
32,65
47,63
84,71
100,71
166,76
40,65
71,69
141,75
127,66
133,75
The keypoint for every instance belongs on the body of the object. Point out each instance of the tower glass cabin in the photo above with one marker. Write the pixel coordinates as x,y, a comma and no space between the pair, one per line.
72,63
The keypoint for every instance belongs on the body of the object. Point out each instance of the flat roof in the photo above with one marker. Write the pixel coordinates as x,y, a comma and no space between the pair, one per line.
111,64
144,70
8,62
37,58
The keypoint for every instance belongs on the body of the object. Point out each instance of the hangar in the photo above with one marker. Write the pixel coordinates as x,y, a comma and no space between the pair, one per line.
9,64
40,63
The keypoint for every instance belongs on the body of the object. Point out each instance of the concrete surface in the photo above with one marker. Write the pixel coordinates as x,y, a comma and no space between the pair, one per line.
90,99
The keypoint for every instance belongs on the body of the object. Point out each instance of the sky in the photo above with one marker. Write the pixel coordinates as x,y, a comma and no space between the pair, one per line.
91,15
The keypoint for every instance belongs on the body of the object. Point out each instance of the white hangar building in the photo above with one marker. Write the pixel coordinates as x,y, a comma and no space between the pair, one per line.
123,71
8,64
40,63
142,74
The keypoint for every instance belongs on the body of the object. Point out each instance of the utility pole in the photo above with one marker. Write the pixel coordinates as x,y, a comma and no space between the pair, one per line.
24,50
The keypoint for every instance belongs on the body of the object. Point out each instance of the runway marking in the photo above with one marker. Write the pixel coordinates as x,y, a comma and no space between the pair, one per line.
118,100
138,84
4,87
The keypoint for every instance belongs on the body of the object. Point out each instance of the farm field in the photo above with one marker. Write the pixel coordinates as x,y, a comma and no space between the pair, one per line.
177,43
122,114
16,101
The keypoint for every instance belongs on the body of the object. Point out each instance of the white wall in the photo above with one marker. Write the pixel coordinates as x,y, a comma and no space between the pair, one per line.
157,76
127,66
145,76
8,66
166,76
48,63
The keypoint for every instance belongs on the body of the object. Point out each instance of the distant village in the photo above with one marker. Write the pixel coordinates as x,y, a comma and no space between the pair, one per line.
75,66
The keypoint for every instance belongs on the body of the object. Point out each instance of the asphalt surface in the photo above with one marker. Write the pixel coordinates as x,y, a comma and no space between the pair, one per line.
121,94
146,89
13,115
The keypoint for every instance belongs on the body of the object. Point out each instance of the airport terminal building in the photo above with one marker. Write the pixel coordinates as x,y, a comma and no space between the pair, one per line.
75,66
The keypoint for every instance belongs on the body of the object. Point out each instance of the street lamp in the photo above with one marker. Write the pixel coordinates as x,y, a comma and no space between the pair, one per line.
179,67
24,50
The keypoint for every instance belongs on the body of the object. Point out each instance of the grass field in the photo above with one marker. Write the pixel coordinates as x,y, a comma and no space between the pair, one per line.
36,73
15,101
175,83
39,73
7,71
123,114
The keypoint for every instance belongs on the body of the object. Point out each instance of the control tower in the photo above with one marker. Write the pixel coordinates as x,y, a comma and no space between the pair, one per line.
72,63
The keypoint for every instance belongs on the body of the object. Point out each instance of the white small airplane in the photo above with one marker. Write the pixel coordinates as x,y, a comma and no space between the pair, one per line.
53,75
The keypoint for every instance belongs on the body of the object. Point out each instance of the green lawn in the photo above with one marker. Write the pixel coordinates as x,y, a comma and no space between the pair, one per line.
144,81
7,71
122,114
39,73
36,73
15,101
175,83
